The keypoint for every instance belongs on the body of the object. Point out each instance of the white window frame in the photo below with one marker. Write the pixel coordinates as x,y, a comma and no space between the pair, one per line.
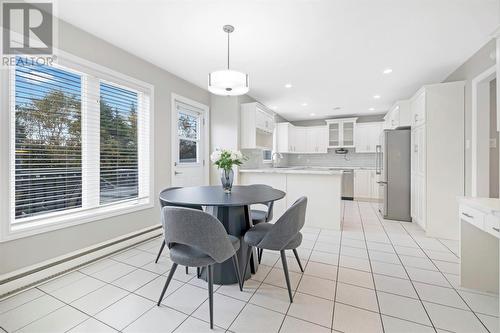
63,219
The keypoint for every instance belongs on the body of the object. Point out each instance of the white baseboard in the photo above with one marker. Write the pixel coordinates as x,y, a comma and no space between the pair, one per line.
21,279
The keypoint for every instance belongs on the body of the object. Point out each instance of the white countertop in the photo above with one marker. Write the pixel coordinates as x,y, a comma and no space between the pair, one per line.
487,205
295,170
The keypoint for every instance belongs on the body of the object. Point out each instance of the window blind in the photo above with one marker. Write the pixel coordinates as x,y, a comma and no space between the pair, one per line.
48,140
119,170
81,142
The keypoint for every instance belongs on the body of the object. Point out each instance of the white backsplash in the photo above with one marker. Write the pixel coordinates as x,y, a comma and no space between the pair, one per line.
351,159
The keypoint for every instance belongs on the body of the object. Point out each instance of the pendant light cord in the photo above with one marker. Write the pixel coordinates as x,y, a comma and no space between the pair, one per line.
228,50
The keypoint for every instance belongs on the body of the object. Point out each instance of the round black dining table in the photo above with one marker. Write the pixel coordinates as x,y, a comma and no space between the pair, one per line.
232,210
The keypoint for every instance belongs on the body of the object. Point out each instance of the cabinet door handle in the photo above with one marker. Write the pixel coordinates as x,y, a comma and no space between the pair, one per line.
416,149
416,116
468,215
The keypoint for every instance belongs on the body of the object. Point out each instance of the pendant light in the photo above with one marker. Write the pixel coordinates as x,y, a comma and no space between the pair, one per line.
227,82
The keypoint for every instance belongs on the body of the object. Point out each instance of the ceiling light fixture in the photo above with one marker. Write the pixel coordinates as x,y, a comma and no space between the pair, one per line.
304,104
312,114
376,96
227,82
288,85
387,71
274,107
371,109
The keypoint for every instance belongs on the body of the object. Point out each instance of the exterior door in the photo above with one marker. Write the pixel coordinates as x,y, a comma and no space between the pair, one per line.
189,145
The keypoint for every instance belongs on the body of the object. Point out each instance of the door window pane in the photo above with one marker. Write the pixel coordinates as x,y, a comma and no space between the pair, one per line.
188,151
188,126
118,122
48,140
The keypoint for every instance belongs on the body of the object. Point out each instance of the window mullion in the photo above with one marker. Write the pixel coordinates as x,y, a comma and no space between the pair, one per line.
90,142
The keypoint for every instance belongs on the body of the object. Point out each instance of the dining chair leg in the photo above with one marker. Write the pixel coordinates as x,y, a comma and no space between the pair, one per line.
237,269
198,272
169,278
298,260
159,253
287,277
187,270
260,251
211,294
249,255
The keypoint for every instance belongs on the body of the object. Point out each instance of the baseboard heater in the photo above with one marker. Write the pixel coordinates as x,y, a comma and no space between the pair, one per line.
19,280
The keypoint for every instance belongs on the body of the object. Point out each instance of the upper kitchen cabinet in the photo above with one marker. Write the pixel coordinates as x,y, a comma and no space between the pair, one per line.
341,132
399,115
257,126
301,139
367,136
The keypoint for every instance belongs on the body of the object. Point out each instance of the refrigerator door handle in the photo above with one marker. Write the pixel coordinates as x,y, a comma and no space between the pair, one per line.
378,160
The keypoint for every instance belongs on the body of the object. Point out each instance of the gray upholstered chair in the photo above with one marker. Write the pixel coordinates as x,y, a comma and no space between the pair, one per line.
260,216
280,236
198,239
164,204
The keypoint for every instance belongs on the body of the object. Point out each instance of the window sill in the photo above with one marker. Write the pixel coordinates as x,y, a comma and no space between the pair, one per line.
72,219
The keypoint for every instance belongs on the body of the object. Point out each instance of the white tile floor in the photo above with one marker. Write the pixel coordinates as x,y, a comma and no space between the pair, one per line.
373,276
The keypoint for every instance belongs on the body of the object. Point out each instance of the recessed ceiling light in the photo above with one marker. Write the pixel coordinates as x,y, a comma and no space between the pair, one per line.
288,85
274,107
337,108
304,104
371,109
312,114
387,71
376,96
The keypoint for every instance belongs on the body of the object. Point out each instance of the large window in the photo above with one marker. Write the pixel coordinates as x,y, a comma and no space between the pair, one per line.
80,143
48,141
119,168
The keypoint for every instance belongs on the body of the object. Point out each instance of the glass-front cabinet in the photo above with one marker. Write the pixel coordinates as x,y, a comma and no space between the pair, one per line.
333,134
341,132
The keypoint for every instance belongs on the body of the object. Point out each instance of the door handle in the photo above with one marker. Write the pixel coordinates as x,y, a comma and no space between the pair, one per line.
177,173
467,215
382,183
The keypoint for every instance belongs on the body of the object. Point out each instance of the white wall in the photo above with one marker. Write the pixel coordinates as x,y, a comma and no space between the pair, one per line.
225,126
475,65
30,250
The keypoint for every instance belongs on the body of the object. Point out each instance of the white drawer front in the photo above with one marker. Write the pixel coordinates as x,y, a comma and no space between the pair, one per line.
473,216
492,226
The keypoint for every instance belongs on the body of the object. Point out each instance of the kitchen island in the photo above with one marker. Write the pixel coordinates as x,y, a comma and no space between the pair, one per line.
321,186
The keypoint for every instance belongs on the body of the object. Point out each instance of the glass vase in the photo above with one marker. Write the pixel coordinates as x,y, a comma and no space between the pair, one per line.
226,178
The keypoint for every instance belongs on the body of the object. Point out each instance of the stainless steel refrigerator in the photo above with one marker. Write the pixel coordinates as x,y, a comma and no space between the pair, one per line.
393,170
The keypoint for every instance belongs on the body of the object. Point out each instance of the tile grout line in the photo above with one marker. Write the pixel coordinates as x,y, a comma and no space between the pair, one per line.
338,262
371,268
452,287
404,267
300,280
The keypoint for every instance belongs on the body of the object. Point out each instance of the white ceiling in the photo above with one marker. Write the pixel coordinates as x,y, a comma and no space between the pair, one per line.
333,52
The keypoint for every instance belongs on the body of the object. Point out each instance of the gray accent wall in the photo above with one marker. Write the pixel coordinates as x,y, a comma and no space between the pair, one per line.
475,65
27,251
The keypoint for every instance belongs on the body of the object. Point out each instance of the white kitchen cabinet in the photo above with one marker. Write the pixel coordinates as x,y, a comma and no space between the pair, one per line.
341,132
398,115
301,139
437,157
365,185
362,184
417,107
316,139
257,126
367,136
